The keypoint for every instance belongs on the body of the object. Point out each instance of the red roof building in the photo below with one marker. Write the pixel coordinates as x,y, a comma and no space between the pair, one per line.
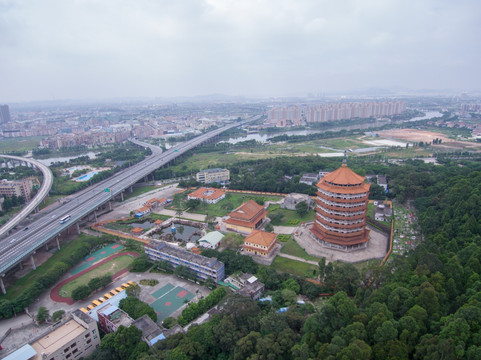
207,195
246,218
260,242
341,210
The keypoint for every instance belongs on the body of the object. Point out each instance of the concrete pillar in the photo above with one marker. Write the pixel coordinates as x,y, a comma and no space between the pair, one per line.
122,195
146,178
36,210
131,189
78,228
58,244
95,214
110,205
21,265
46,246
33,262
2,285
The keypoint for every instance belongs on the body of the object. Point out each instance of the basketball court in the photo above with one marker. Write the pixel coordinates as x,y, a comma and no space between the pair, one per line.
96,256
169,299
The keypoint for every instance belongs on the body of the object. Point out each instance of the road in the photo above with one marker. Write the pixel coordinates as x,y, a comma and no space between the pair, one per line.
22,244
41,194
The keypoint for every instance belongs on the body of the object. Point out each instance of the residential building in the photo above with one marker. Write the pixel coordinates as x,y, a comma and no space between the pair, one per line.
260,242
5,114
75,337
291,200
382,181
207,195
211,240
18,188
213,175
203,266
111,317
247,284
340,221
308,179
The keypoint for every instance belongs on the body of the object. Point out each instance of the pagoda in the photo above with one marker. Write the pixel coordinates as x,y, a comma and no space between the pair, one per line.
340,220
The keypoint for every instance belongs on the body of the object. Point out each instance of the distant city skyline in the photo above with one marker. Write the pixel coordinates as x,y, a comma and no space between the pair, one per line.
55,50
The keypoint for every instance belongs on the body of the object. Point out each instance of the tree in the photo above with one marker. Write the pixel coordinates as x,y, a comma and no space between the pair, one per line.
193,203
81,292
57,315
269,227
141,264
42,314
302,208
125,343
133,290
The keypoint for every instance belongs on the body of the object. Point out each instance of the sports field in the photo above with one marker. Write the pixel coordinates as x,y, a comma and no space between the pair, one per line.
169,299
96,256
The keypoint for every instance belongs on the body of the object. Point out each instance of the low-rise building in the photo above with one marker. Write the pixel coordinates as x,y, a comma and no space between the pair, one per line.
76,336
260,242
211,240
246,218
382,181
309,178
213,175
207,195
291,200
18,187
247,284
111,317
203,266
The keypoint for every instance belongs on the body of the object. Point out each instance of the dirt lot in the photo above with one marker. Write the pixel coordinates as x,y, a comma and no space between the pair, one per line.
414,135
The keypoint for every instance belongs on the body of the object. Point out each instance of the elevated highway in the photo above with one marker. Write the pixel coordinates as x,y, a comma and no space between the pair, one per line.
18,247
38,198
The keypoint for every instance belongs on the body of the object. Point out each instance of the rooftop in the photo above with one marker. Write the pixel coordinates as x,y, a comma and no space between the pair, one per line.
261,238
207,193
165,248
344,176
213,238
246,211
57,338
212,170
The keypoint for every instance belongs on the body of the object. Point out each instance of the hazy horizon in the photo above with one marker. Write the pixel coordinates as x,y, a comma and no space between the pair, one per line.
55,50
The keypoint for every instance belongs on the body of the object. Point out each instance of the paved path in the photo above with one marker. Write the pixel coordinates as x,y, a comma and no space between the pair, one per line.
285,230
312,262
184,215
54,293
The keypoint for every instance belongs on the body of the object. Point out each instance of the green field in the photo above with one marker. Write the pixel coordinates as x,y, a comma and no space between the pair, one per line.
293,267
291,247
19,144
290,217
231,201
110,268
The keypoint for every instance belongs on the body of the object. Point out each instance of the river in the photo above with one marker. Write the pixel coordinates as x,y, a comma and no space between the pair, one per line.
50,161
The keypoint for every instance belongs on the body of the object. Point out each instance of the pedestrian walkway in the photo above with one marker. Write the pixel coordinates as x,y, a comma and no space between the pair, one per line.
312,262
184,215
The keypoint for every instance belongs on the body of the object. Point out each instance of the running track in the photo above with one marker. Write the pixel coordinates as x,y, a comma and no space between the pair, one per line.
54,293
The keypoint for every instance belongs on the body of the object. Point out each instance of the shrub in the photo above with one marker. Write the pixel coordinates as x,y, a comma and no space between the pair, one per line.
81,292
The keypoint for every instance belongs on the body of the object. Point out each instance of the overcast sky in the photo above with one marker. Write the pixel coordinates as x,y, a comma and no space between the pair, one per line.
67,49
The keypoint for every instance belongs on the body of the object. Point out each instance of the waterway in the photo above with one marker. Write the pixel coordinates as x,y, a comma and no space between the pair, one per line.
50,161
263,137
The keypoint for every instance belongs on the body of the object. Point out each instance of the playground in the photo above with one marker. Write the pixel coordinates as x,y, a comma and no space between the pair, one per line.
169,299
96,256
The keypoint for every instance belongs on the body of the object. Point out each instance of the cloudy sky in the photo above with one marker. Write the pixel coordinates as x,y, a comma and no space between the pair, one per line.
78,49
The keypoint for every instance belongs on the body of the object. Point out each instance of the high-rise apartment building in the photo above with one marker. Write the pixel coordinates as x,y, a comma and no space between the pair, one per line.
4,114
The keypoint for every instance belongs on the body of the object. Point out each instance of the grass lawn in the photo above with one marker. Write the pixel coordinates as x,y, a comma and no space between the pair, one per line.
19,144
291,247
231,201
139,191
290,217
110,268
293,267
64,253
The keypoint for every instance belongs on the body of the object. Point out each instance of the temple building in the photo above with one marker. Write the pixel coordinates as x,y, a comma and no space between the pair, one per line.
246,218
341,210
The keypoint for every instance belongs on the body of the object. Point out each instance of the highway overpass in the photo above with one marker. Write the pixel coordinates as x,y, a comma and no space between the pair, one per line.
38,198
24,243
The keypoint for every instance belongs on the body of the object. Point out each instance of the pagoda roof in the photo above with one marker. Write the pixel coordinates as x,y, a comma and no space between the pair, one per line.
344,176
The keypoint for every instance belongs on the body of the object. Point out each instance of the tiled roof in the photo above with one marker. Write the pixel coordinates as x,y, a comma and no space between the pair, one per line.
246,223
207,193
261,238
246,211
344,176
